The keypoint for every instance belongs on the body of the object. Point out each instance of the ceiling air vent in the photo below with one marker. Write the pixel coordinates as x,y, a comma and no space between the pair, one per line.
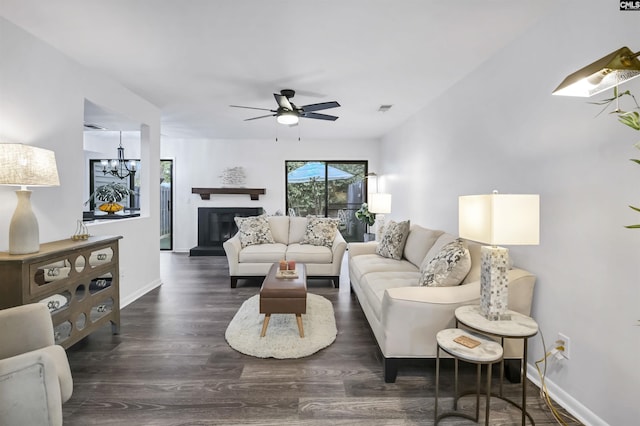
93,126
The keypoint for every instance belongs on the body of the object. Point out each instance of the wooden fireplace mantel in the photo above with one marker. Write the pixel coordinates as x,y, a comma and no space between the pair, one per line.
205,193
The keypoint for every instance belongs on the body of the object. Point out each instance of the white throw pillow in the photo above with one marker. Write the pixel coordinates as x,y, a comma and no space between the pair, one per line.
321,231
393,239
254,230
448,268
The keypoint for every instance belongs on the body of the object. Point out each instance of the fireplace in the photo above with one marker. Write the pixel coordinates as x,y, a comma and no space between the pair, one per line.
216,225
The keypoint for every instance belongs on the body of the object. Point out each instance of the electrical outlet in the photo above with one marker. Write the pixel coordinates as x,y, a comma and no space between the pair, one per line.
564,341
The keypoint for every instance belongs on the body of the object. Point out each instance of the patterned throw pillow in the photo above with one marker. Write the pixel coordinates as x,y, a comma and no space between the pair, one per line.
393,239
321,231
448,268
254,230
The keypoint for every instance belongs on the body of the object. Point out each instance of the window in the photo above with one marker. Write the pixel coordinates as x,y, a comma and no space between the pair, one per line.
328,189
97,178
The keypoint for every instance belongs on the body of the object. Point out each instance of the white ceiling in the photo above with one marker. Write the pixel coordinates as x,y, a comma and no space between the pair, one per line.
193,58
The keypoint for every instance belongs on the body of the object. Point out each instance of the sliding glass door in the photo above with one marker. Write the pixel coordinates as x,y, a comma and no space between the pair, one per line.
328,189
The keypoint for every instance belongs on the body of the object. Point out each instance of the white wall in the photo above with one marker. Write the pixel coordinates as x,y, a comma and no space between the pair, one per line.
500,128
42,104
199,163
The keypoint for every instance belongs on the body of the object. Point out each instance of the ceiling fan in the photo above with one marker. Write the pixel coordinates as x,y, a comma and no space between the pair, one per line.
289,113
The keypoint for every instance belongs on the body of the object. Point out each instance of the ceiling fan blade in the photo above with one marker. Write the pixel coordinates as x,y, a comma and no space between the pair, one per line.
261,109
318,107
319,116
262,116
283,102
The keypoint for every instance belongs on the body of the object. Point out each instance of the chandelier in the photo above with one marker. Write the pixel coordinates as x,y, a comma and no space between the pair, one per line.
119,167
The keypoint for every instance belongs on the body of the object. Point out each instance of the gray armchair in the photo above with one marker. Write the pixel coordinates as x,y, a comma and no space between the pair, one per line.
35,378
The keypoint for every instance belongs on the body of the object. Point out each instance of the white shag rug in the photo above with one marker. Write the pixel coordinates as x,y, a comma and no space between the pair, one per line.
282,339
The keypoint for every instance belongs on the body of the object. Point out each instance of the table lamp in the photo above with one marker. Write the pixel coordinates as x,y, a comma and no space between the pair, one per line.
380,204
25,165
505,219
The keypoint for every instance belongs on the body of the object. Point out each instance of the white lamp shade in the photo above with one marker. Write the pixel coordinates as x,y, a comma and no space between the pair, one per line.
500,219
25,165
380,202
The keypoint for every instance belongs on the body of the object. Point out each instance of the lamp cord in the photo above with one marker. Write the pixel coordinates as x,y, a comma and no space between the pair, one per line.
544,393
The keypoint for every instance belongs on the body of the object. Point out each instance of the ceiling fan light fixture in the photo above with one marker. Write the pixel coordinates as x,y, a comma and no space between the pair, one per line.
605,73
288,113
288,117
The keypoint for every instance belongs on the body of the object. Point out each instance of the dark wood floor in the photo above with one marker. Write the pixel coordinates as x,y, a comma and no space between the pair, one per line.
172,366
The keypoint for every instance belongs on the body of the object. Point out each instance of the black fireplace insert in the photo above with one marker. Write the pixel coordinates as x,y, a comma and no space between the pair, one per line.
216,225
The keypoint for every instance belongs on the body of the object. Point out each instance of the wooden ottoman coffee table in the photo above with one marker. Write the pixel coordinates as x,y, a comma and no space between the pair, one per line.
284,296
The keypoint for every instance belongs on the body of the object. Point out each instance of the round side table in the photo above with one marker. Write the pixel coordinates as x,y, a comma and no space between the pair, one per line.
487,352
517,326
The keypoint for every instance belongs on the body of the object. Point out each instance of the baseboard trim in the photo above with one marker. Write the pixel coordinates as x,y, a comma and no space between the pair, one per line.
141,292
566,401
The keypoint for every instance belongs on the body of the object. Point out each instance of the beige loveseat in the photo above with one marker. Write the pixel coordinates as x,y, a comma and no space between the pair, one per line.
288,232
404,316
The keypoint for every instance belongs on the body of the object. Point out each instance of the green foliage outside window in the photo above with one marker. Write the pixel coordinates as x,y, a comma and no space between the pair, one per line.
309,198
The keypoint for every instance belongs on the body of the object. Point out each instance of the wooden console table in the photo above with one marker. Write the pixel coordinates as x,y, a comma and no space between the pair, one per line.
77,280
205,193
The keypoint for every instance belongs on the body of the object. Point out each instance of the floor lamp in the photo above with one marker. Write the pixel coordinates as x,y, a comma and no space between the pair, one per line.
505,219
380,204
25,165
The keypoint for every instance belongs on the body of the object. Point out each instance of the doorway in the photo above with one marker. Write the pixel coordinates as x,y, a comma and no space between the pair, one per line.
166,204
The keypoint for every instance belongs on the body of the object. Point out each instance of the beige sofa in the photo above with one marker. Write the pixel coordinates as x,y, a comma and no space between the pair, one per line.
255,260
404,316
